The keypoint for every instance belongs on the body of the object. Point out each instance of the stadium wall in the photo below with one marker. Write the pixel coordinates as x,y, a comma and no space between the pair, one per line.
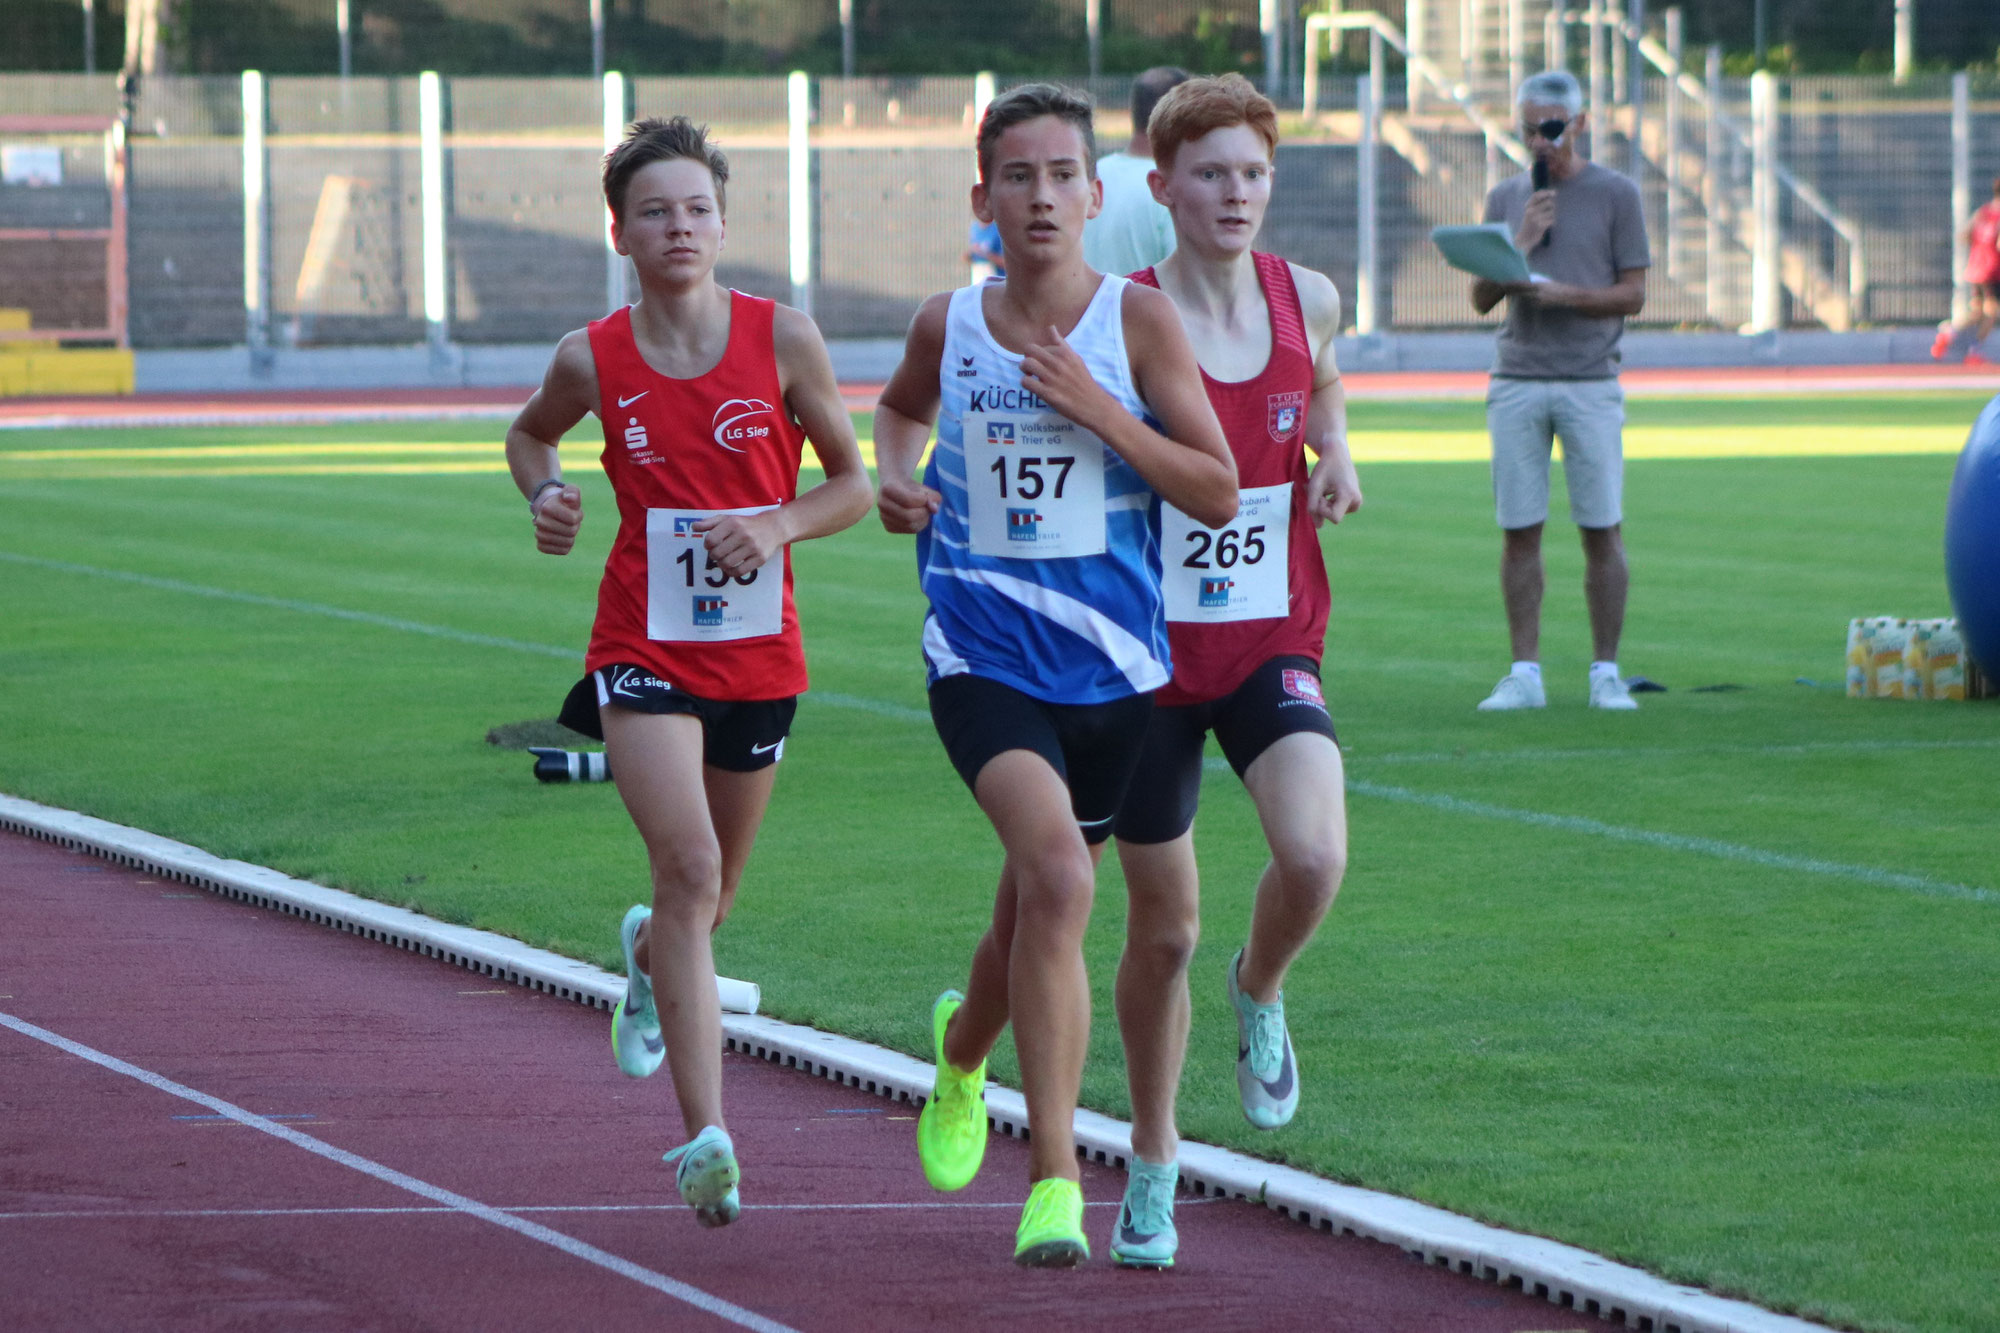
892,163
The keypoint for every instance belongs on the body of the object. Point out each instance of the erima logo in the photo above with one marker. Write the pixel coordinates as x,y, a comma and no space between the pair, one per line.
1000,432
733,423
1215,592
1005,400
635,435
966,372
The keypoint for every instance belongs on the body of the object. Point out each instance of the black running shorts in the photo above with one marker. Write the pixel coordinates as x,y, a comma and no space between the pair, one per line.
739,736
1092,747
1279,698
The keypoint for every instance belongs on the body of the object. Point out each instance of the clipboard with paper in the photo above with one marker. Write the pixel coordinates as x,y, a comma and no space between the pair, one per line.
1484,249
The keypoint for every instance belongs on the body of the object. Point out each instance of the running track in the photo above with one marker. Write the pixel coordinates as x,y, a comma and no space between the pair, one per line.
335,405
387,1141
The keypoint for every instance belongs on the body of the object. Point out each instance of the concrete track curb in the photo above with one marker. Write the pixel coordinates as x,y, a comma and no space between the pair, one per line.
1563,1274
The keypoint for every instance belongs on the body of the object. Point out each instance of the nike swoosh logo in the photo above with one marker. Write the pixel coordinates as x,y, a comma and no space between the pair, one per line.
765,749
654,1045
1127,1235
1281,1087
627,402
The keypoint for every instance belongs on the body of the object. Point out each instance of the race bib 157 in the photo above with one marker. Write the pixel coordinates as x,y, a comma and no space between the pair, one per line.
1036,484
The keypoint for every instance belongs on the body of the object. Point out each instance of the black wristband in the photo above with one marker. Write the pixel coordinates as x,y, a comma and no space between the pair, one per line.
537,494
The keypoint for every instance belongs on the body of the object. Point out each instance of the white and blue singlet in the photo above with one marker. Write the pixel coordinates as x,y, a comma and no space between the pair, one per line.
1042,565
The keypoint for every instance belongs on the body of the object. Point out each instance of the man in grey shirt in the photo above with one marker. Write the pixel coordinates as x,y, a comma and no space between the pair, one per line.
1133,231
1555,374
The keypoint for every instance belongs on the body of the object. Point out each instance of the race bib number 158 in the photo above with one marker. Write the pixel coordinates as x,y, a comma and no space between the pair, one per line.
690,600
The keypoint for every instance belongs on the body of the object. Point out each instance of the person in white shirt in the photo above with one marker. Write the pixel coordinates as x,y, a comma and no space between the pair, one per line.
1132,231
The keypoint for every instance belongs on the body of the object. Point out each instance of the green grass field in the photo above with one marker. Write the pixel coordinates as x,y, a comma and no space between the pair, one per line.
1713,988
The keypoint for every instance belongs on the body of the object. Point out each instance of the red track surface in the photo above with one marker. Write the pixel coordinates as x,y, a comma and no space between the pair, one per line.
125,1206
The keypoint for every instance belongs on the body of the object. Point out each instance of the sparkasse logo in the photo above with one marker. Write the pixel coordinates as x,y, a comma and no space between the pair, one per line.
737,424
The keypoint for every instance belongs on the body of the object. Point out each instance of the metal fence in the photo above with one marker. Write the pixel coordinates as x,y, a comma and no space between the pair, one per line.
338,238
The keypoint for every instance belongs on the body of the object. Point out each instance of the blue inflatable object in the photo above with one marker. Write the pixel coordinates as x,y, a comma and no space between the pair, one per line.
1972,540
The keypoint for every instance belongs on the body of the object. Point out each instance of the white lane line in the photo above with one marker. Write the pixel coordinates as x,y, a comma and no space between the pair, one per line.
1568,823
1727,851
569,1245
880,707
151,1214
1667,751
288,604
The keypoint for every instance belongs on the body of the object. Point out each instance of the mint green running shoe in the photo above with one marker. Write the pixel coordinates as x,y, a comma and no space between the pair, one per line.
1267,1075
708,1176
951,1132
1144,1236
635,1023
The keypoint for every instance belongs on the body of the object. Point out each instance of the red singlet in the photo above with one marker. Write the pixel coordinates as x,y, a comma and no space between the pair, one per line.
1264,418
1982,256
675,450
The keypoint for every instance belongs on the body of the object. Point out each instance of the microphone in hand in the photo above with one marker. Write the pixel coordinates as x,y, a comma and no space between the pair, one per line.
1541,179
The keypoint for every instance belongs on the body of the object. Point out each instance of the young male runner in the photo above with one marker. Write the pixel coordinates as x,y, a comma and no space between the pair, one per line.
1246,609
695,664
1037,545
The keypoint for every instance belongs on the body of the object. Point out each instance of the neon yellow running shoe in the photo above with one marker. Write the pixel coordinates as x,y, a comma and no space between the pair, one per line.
951,1132
1051,1233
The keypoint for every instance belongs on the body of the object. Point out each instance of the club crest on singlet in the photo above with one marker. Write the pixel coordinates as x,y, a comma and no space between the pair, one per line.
1284,413
741,422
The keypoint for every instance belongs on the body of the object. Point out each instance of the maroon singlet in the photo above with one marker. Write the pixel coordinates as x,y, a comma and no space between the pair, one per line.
1264,418
673,447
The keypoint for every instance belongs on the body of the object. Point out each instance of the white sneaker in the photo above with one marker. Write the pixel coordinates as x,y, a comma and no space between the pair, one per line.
1608,691
1516,692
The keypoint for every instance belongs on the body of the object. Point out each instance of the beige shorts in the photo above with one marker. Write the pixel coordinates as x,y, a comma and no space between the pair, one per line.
1526,417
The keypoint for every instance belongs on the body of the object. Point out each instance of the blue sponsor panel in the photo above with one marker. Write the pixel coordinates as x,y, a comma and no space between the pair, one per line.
1215,592
708,610
1022,525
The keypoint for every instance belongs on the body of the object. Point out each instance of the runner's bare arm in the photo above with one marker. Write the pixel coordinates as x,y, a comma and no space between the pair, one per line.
568,392
741,543
1189,462
1334,490
904,415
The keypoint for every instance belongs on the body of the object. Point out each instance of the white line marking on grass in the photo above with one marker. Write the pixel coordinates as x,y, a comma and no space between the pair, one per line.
1667,751
880,707
900,712
1727,851
569,1245
290,604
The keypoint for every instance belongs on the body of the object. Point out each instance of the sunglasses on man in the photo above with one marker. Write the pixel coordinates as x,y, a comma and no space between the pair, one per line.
1551,130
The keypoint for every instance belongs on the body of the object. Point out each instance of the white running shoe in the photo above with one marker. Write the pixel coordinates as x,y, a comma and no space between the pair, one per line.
1267,1073
1516,692
707,1175
1608,691
635,1023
